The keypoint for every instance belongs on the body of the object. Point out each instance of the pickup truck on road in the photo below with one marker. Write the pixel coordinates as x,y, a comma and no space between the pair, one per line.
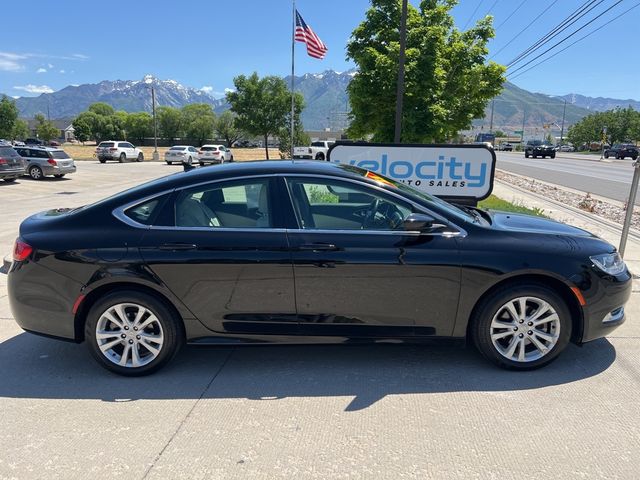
317,151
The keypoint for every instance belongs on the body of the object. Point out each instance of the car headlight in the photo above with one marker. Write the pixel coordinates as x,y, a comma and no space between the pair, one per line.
610,263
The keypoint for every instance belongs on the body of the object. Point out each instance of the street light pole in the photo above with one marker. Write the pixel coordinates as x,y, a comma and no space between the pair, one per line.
630,204
156,156
564,110
400,89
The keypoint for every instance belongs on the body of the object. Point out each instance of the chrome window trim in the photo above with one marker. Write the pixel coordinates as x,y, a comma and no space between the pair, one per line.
120,215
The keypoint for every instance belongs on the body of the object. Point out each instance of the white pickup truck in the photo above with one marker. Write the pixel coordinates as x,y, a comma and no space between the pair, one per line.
317,150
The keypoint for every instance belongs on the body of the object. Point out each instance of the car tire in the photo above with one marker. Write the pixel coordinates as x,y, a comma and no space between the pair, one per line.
320,156
122,158
526,155
201,164
9,180
606,154
231,158
163,330
59,175
498,324
102,161
189,161
553,155
140,157
169,163
35,172
634,158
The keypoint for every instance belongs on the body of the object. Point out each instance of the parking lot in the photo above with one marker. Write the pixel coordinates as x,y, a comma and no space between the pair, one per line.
380,411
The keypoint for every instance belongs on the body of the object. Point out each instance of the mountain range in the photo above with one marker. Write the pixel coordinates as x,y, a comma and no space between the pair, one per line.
327,104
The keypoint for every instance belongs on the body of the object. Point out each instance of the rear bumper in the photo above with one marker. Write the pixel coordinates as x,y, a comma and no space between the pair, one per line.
51,170
210,160
303,157
605,312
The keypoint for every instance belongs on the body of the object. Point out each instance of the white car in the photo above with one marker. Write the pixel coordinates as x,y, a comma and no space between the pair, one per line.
181,153
317,151
214,154
120,151
567,148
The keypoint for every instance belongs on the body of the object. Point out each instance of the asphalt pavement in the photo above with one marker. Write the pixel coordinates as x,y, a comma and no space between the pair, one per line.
610,179
318,412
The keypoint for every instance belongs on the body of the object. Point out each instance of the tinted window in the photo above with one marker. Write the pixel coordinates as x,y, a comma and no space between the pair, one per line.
208,149
177,148
123,145
336,205
59,154
107,144
145,213
8,152
317,144
39,154
238,204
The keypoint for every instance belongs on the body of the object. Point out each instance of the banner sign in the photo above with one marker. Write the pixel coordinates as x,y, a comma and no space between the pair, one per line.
456,172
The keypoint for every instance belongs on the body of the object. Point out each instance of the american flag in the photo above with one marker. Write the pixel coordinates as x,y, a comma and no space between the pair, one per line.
304,34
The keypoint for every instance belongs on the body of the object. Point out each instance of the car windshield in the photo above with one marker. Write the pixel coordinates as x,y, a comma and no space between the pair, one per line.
59,154
106,144
417,195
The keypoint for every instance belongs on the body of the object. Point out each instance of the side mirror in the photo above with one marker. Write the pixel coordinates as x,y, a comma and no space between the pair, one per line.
420,222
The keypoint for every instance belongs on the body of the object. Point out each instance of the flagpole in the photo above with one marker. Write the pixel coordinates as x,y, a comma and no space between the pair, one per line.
293,71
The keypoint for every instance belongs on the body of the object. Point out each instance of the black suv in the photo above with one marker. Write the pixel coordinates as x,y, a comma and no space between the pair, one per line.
622,150
537,148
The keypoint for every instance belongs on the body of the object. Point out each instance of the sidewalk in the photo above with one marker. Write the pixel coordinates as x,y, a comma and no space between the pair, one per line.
607,230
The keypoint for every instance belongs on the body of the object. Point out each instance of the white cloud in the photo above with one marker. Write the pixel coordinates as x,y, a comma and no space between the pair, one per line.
229,90
15,96
10,62
80,56
49,65
34,88
41,70
207,89
63,71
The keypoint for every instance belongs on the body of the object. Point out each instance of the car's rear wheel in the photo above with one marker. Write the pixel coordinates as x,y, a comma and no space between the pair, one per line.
122,158
35,172
526,154
606,154
320,156
132,333
201,164
553,155
102,160
522,327
9,180
140,157
169,163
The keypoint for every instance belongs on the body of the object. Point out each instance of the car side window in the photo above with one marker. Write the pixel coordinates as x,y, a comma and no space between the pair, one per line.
335,205
222,149
145,213
236,204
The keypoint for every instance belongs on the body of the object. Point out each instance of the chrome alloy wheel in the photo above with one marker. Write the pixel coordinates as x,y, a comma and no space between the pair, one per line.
525,329
129,335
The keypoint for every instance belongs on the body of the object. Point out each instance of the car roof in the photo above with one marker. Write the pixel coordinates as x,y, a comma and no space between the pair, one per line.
180,146
213,145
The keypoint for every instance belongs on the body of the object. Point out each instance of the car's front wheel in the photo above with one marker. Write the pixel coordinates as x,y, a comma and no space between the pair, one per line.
140,157
522,327
132,333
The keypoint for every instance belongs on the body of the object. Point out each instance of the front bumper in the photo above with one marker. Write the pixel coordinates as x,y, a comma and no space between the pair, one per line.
604,311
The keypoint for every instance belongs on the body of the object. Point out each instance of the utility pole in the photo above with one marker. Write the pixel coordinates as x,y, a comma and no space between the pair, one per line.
631,203
156,156
491,120
524,115
400,90
564,111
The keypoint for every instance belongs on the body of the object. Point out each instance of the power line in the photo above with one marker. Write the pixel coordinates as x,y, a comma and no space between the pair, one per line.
524,29
473,14
578,40
491,8
566,38
566,23
511,14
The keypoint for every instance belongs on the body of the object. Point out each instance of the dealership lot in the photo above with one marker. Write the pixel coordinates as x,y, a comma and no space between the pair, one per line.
382,411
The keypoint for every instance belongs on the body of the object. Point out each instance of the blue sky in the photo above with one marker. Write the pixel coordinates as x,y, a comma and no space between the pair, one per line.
204,44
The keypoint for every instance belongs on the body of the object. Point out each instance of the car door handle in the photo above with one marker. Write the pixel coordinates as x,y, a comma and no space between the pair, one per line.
319,247
178,246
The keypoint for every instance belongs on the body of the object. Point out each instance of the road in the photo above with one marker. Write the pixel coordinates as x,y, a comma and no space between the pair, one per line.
606,179
317,412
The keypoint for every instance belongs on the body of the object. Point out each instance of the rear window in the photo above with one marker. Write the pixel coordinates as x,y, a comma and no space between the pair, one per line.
8,152
208,149
177,148
107,144
59,154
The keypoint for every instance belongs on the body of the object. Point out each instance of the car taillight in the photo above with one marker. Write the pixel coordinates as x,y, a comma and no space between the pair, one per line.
52,162
21,251
113,149
3,161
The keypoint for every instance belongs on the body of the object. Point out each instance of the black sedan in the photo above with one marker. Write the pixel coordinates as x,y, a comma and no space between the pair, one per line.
307,252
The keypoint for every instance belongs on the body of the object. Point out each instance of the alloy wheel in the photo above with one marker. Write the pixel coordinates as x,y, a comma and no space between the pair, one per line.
129,335
525,329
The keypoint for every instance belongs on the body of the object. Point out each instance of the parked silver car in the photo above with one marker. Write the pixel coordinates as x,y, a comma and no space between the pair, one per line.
181,154
43,161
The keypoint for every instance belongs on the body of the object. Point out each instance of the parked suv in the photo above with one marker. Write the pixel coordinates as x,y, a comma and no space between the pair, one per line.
214,154
622,150
537,148
43,161
11,164
120,151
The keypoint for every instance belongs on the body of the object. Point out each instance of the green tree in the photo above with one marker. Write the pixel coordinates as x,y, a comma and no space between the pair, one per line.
8,116
262,105
82,128
139,126
20,130
499,133
45,129
447,79
169,122
622,124
300,137
198,121
101,108
227,128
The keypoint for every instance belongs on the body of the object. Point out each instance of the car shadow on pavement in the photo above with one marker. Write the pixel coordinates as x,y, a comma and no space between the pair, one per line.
36,367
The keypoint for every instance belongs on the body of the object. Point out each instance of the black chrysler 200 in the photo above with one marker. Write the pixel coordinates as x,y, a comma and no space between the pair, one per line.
307,252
